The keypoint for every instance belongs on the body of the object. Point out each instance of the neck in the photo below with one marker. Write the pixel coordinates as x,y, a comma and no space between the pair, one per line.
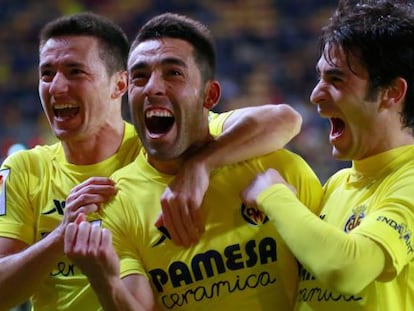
172,166
96,147
169,167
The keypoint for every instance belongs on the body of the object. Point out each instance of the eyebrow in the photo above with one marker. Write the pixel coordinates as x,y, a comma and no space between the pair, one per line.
165,61
69,64
331,72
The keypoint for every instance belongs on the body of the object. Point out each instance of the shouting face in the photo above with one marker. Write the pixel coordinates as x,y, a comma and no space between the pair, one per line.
167,97
76,91
360,120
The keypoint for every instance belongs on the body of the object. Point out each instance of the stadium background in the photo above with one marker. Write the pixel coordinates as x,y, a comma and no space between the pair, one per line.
267,51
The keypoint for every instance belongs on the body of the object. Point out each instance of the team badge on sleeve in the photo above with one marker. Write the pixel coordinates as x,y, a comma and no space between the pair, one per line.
3,177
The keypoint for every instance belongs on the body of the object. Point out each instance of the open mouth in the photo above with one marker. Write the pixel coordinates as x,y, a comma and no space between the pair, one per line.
159,121
337,127
65,111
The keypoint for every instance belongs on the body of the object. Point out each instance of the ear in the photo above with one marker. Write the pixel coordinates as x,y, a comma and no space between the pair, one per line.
212,93
395,93
121,84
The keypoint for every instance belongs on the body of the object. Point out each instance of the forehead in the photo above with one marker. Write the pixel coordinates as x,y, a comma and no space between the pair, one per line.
334,58
80,48
154,51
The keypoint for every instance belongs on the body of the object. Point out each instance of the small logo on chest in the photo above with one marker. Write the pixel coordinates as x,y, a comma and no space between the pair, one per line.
253,215
358,213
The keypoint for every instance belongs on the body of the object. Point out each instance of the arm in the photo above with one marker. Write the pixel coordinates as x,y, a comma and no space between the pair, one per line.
247,133
362,260
250,132
23,266
90,248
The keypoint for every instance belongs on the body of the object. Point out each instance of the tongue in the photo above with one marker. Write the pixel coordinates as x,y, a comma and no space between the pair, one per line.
338,127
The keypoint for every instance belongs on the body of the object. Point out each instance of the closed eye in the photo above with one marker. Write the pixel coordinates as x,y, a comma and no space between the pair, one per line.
76,71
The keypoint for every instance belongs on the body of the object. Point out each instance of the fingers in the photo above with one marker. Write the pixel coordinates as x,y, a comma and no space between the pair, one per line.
92,191
95,239
84,239
106,239
70,238
181,203
260,183
180,223
160,221
79,218
197,220
88,196
90,248
94,181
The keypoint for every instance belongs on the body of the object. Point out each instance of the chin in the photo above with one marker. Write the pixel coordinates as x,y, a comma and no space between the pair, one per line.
342,157
338,155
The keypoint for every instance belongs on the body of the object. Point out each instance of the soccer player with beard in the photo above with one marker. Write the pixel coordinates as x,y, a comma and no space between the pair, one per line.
82,78
358,254
239,262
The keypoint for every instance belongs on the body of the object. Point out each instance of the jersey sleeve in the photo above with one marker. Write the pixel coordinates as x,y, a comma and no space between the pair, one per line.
391,226
216,122
16,217
299,174
341,261
120,218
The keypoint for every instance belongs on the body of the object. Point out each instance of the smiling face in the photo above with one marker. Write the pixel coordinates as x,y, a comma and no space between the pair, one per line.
76,92
167,97
360,126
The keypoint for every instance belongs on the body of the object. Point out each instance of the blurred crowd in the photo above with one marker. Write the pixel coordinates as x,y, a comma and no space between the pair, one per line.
267,51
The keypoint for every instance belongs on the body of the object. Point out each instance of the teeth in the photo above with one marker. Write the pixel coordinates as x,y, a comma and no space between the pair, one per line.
64,106
158,113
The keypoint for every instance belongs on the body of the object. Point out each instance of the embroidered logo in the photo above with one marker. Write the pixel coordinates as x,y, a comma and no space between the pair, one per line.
164,235
253,215
57,208
358,213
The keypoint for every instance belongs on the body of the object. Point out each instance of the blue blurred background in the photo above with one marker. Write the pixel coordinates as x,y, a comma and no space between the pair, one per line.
267,51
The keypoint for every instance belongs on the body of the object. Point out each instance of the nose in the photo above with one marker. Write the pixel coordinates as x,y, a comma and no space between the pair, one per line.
155,84
58,85
318,94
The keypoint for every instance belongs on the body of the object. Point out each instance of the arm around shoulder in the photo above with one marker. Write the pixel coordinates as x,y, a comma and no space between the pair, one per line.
250,132
263,129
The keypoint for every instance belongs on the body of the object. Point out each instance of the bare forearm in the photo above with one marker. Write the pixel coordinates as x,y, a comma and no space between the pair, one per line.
251,132
21,273
115,294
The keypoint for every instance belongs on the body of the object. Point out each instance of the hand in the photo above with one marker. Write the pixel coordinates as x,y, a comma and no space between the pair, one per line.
90,248
86,198
181,202
260,183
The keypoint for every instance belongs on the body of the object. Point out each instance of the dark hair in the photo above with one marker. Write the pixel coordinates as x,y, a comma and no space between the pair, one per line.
182,27
113,43
380,34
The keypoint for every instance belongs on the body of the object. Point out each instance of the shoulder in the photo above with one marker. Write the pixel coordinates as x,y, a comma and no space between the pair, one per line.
284,159
36,157
216,122
126,172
